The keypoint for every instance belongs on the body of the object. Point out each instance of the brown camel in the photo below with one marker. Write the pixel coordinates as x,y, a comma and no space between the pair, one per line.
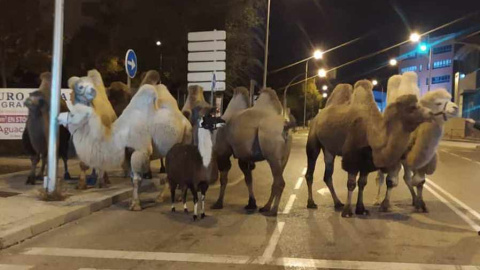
354,129
250,135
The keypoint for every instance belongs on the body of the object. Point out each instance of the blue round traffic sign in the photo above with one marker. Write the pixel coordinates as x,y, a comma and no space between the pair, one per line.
131,63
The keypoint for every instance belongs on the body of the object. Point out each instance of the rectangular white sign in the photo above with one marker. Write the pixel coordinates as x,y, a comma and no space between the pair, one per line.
207,46
13,113
205,76
207,35
207,56
206,66
207,86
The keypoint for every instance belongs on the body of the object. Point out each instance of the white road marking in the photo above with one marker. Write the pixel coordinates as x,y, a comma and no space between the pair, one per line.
289,204
236,181
323,191
466,158
15,267
304,171
299,183
453,198
241,260
452,207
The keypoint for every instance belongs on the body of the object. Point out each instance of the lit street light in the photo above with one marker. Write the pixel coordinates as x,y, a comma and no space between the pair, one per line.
324,88
318,54
374,82
158,43
325,95
414,37
322,73
423,47
393,62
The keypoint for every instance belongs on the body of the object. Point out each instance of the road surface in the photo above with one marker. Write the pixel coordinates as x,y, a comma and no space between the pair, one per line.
299,238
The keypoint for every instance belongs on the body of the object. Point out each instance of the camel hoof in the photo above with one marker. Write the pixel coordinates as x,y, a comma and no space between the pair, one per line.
135,206
195,217
269,213
163,181
361,211
252,205
311,204
185,211
67,176
217,205
385,206
173,209
347,212
376,202
147,175
162,170
30,180
264,209
421,207
202,216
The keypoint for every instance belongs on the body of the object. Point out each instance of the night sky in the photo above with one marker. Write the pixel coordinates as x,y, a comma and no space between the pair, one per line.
300,26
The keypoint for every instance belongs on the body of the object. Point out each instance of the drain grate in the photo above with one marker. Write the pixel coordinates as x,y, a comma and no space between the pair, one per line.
5,194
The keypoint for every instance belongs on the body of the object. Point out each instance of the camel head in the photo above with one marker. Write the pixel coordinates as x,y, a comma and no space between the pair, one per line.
407,110
150,77
84,90
37,102
439,102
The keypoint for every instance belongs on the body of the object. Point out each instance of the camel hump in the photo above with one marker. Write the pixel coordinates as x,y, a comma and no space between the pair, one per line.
165,98
392,88
46,76
341,94
151,77
239,102
409,84
195,96
363,94
268,100
96,77
240,91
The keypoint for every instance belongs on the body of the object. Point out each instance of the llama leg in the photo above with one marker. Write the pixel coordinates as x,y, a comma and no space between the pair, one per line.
224,166
362,182
407,177
31,177
173,188
420,204
246,168
380,180
277,189
82,181
184,196
137,181
42,169
195,201
203,186
351,185
327,178
313,150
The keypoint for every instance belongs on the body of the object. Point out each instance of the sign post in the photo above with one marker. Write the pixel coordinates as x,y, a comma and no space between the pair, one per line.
130,66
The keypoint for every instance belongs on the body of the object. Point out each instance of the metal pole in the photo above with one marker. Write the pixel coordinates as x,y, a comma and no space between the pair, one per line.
252,89
129,82
265,64
50,183
212,92
429,66
285,93
305,95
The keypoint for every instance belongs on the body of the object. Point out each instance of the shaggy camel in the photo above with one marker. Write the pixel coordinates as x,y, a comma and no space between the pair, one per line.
91,91
421,158
194,167
250,135
352,127
35,135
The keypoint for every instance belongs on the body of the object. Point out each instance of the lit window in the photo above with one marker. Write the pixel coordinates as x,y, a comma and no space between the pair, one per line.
442,49
441,79
442,63
406,69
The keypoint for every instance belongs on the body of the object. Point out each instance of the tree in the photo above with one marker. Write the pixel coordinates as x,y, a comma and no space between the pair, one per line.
25,42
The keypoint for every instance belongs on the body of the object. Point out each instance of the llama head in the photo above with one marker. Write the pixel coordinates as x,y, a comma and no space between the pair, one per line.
439,102
407,110
84,90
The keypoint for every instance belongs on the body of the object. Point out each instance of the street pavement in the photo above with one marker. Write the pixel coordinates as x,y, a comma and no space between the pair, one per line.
299,238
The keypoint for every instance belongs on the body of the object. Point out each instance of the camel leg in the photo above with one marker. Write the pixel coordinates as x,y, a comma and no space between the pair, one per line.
362,182
163,194
313,150
203,186
392,181
101,179
351,185
407,177
420,204
162,165
277,189
42,169
137,182
173,188
106,179
224,166
380,180
195,201
31,177
327,178
246,168
66,174
82,180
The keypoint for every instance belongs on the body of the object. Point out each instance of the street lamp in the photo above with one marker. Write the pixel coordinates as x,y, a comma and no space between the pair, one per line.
393,62
325,95
317,54
324,88
374,82
414,37
159,44
322,73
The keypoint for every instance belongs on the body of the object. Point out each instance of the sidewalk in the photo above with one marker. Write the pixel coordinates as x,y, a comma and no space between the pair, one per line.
23,215
460,144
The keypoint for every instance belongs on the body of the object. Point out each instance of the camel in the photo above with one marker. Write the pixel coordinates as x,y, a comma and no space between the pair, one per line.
421,157
351,126
119,96
35,135
91,91
195,98
251,135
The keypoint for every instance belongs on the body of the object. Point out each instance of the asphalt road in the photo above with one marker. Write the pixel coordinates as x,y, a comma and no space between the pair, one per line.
299,238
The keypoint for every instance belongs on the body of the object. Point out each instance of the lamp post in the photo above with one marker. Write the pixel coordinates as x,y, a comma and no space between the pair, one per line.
159,45
316,55
415,37
265,60
285,94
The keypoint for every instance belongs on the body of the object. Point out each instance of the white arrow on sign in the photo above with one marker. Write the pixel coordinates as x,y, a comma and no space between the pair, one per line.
205,76
206,66
207,86
131,63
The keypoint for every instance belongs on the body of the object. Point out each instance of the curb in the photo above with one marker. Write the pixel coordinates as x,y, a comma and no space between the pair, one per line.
48,221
